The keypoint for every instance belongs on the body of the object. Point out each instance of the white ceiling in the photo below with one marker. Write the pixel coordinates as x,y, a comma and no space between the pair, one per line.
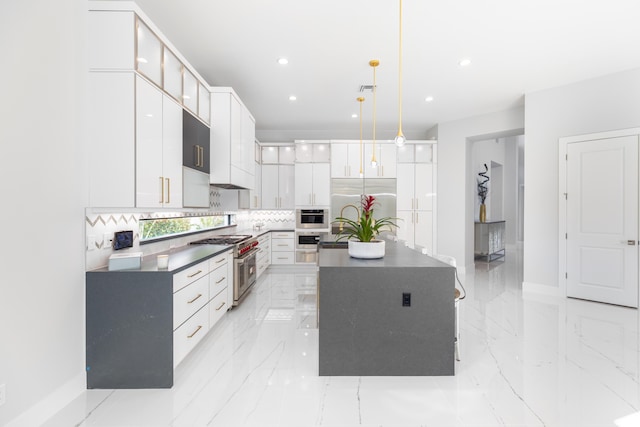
516,47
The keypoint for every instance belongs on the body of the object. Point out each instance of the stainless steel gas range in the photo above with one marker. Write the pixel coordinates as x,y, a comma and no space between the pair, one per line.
244,261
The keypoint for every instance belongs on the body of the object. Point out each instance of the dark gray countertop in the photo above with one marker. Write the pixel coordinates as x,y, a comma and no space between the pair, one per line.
179,259
396,255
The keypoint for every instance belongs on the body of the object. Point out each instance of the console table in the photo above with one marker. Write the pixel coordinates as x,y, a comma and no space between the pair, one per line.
489,240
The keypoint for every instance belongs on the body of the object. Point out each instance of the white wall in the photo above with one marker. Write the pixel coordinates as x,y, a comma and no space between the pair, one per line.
42,81
456,176
606,103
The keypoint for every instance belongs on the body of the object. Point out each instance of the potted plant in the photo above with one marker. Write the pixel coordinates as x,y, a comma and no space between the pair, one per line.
362,232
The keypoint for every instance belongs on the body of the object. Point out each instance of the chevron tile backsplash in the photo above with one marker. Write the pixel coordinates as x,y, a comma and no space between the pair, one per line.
100,227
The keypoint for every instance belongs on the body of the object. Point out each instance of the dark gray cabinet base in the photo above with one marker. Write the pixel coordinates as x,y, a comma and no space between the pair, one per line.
392,316
129,329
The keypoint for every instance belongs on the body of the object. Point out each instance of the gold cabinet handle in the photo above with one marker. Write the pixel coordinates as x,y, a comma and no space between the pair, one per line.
161,191
195,274
168,190
195,332
196,153
193,300
220,260
220,280
201,156
221,305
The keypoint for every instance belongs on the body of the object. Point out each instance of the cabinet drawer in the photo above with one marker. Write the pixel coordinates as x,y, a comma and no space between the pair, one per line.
282,258
218,280
218,261
190,299
191,274
282,245
217,308
261,268
189,334
282,235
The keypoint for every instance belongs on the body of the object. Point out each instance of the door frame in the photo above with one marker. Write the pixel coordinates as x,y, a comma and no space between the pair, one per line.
562,191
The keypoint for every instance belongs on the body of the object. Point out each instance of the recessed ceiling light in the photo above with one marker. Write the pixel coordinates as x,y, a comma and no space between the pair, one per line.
428,99
354,116
283,61
464,62
292,98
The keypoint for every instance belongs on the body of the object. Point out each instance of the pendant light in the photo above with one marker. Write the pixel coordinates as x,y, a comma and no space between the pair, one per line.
400,138
360,100
374,63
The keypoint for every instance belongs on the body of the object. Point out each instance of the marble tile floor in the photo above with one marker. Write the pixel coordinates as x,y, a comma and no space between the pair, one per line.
527,360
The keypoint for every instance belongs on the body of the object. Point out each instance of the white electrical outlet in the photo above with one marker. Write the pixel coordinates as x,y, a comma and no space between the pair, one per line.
91,243
107,239
3,394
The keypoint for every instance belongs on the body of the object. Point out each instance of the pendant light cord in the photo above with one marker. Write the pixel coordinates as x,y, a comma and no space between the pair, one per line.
400,75
374,63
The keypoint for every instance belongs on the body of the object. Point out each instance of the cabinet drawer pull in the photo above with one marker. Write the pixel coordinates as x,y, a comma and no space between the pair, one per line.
168,190
221,305
282,245
220,280
195,332
161,191
189,302
195,274
283,257
220,260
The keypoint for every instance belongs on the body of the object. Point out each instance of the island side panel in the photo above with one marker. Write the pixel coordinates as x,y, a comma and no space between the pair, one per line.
129,321
365,330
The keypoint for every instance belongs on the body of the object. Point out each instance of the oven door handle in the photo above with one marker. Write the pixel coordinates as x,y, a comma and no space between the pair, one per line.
246,256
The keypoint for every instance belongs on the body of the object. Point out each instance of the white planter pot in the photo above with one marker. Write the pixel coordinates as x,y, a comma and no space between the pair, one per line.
366,250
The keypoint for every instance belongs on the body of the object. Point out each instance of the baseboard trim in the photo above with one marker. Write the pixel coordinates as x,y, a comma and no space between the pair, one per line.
540,289
46,408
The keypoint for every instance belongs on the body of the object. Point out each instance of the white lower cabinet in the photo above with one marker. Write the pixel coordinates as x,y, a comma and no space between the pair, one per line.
189,334
263,258
190,299
200,300
283,247
217,308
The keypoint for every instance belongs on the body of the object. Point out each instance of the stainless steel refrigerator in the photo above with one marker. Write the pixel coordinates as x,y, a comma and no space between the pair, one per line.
348,191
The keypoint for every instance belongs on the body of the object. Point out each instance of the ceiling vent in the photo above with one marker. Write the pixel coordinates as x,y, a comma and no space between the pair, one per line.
366,88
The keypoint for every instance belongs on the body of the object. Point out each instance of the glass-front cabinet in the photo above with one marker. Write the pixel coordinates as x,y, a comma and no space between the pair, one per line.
148,53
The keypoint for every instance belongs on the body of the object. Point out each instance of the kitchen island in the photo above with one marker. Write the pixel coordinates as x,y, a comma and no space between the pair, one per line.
388,316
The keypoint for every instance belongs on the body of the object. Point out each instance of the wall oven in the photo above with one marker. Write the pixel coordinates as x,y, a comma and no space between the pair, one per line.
312,218
307,246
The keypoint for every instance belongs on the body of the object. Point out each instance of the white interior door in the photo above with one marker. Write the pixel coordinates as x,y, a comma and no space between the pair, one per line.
602,220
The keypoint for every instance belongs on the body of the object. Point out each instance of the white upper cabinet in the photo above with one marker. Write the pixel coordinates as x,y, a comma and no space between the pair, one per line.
204,104
315,152
158,148
286,155
172,75
190,91
149,53
345,160
416,153
269,155
312,184
278,187
232,141
385,158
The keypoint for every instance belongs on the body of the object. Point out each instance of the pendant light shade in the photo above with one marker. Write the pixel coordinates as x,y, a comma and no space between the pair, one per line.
400,138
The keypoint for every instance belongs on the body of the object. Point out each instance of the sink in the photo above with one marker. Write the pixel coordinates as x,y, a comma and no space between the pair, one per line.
334,245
